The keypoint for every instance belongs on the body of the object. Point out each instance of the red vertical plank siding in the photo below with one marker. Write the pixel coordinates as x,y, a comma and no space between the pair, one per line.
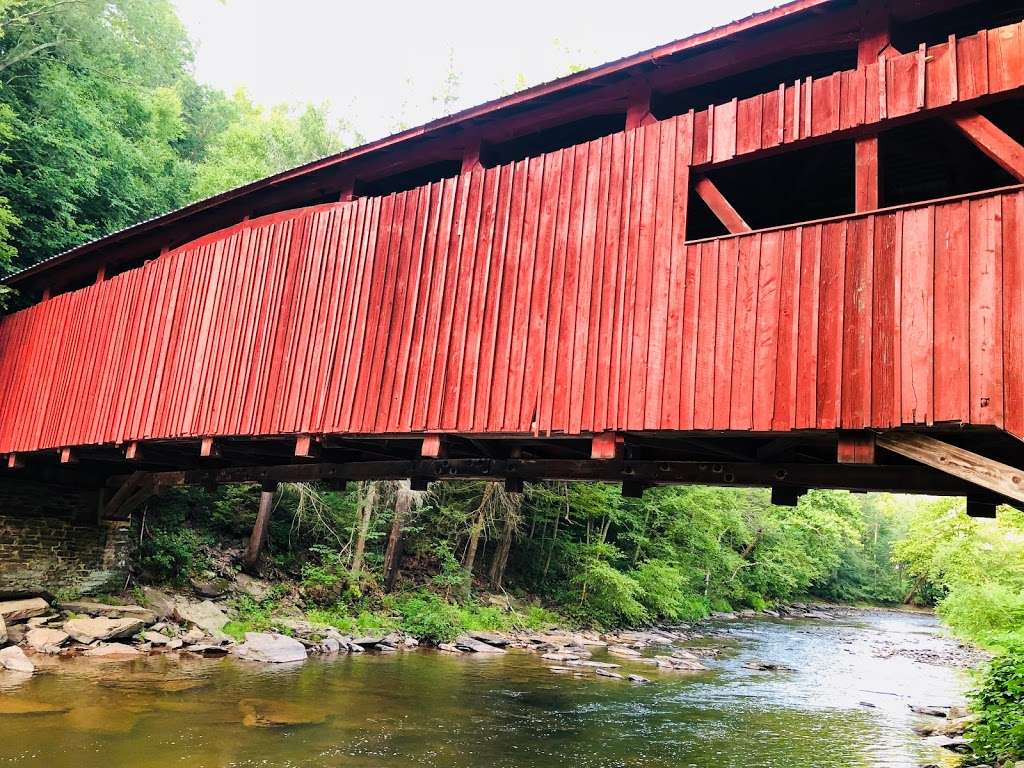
830,323
807,324
784,414
766,338
1013,312
707,315
728,256
857,316
916,316
741,410
986,321
885,342
952,312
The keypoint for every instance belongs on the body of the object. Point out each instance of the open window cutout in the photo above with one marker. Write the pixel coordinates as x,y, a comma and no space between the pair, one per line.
932,159
963,21
552,139
804,185
416,177
752,83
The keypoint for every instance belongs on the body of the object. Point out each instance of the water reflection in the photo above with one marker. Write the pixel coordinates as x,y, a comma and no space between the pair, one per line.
844,705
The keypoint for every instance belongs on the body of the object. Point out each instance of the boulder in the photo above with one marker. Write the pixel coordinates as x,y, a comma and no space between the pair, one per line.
270,648
621,650
595,664
13,611
205,615
16,633
929,711
15,660
89,630
90,608
210,587
156,638
193,636
257,589
368,641
3,631
159,602
562,657
112,651
270,713
491,638
467,643
448,648
607,673
46,640
639,679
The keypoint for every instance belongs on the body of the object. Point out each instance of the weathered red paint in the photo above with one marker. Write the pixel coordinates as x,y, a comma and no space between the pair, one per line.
557,296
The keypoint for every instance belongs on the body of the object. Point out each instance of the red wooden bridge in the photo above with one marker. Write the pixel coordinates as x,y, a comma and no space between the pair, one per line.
786,252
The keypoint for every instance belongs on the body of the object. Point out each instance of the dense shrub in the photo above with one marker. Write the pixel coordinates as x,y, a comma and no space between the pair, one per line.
998,736
428,617
608,597
170,555
663,592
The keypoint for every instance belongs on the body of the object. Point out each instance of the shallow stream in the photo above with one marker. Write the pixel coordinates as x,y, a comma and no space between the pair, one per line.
844,704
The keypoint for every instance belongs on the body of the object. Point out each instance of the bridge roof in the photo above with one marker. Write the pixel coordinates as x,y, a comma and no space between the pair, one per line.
555,102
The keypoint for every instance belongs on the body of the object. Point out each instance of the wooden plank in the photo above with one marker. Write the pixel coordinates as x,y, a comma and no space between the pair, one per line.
916,316
606,446
749,126
725,131
857,319
986,321
952,312
976,469
830,324
784,415
1002,148
867,177
805,415
766,339
1005,58
885,343
1013,312
741,411
972,66
707,313
720,206
728,267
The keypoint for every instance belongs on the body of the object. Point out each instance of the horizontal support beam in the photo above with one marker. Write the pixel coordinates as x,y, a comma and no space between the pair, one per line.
980,471
856,477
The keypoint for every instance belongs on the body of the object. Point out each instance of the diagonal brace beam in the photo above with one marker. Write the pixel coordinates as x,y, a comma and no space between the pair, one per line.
719,206
993,141
976,469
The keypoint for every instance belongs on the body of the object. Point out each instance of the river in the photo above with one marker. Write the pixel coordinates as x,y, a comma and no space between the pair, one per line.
432,709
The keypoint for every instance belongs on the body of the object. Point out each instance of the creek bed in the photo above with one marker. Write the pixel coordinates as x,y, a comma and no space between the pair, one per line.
844,702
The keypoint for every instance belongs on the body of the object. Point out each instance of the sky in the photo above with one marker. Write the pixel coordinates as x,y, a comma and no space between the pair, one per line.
381,66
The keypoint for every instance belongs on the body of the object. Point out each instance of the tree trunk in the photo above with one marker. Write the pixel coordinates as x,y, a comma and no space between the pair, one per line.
259,528
474,533
365,516
501,556
393,553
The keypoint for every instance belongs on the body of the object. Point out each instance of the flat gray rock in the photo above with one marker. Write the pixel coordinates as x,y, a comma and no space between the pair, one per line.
144,615
270,648
89,630
205,615
15,660
13,611
467,643
46,640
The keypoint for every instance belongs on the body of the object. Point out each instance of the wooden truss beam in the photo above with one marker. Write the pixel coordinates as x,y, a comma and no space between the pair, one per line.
982,472
719,206
857,477
993,141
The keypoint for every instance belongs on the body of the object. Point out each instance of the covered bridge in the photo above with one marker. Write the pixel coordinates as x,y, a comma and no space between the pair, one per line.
785,252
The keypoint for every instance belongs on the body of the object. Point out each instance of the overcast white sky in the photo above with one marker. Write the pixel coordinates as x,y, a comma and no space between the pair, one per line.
378,63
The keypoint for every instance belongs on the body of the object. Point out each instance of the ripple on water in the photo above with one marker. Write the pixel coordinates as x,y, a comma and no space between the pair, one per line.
428,709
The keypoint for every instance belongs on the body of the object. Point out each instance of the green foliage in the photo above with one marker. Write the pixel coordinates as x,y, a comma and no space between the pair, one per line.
972,569
325,578
663,592
251,615
428,617
170,555
608,597
998,736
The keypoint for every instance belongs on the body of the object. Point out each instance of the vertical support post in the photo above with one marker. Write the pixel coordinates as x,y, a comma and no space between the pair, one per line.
875,39
259,528
471,154
638,110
